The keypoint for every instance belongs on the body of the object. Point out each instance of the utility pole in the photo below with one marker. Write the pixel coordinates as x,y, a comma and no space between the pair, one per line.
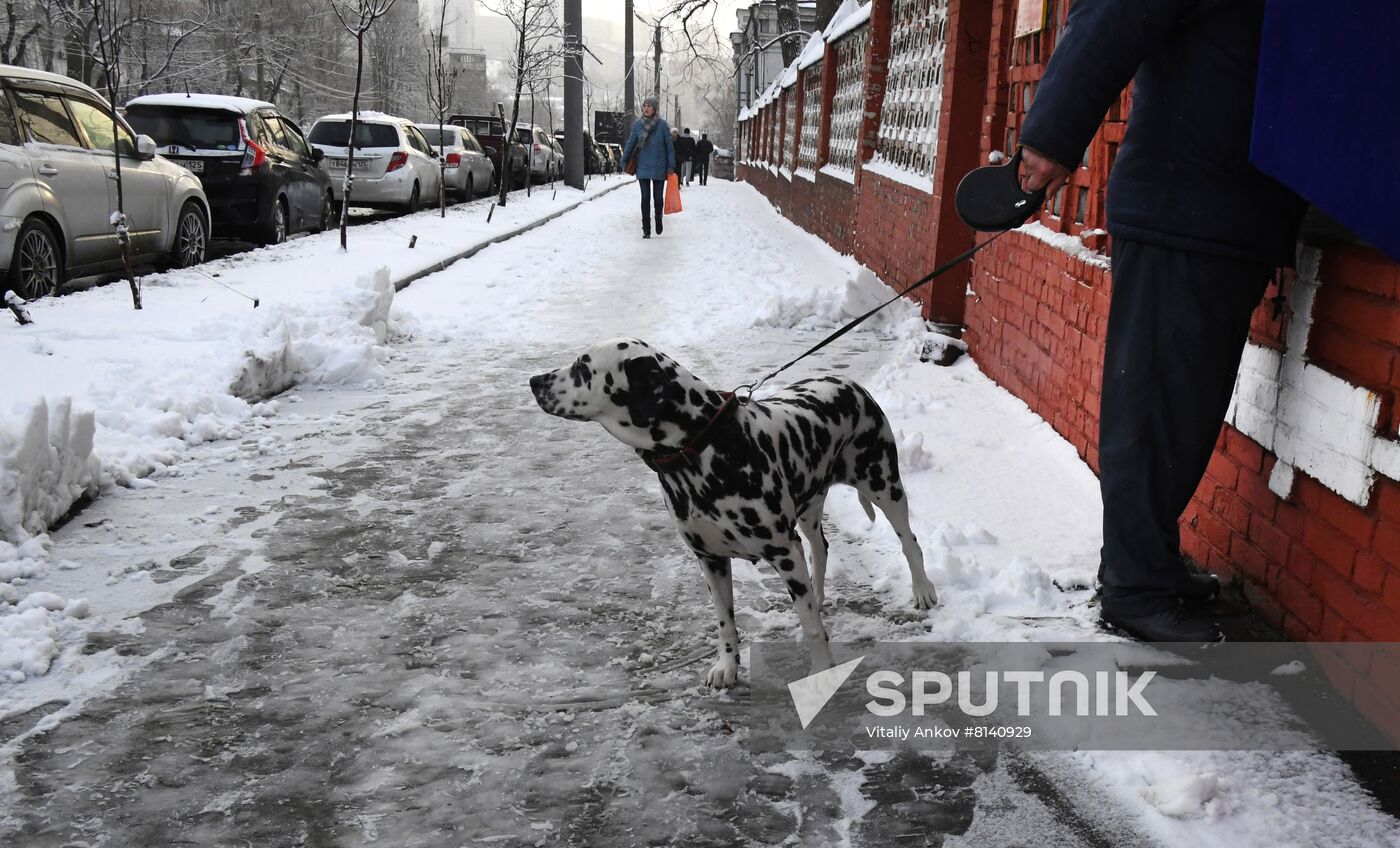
629,107
573,94
677,113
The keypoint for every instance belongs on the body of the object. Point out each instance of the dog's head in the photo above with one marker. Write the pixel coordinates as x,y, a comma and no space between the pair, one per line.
640,395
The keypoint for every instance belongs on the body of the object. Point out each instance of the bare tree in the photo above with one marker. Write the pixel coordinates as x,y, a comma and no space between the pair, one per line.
21,25
538,51
442,89
106,22
357,16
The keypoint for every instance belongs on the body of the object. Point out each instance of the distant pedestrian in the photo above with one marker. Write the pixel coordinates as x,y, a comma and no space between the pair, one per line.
651,144
685,155
703,149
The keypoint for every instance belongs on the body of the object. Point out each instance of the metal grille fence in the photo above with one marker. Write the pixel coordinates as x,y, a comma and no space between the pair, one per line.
789,126
848,104
908,135
811,118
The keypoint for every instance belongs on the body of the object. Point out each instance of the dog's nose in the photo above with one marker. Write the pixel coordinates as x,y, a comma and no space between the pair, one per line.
536,382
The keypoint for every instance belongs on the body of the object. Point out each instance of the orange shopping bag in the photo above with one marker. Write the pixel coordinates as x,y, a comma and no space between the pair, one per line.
673,194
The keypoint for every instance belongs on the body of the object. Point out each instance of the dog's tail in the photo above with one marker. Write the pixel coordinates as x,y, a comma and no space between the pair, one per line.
866,505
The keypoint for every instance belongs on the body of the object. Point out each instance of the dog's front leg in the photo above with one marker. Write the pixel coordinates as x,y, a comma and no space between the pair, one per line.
792,565
725,671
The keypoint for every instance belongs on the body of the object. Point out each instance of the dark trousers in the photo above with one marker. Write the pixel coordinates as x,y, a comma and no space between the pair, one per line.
657,191
1177,326
702,167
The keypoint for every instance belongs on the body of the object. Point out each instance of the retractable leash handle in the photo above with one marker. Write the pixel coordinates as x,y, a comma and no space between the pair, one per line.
989,200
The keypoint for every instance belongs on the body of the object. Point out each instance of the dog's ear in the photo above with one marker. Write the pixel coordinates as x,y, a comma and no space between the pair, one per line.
646,385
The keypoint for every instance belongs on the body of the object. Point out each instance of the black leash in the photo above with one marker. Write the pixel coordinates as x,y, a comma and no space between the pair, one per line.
941,269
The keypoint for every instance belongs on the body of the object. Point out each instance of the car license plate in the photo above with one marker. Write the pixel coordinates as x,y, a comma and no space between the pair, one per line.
196,165
342,164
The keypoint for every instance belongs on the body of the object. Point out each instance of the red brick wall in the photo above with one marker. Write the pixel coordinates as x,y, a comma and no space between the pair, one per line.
1315,565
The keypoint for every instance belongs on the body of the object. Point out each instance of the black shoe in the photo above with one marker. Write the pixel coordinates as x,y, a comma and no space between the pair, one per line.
1173,624
1199,586
659,229
646,235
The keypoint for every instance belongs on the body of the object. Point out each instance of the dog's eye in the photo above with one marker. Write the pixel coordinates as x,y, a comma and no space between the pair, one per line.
581,373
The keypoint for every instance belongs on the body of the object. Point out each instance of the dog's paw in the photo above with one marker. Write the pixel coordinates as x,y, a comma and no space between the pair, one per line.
925,596
723,674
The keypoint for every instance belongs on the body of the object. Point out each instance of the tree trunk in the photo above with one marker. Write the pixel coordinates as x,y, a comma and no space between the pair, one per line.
826,10
508,142
354,114
788,22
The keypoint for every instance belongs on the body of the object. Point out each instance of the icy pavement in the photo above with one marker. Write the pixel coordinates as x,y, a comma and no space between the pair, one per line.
423,613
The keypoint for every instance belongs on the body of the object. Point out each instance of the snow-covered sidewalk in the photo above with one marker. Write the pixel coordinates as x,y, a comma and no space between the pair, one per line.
192,364
415,610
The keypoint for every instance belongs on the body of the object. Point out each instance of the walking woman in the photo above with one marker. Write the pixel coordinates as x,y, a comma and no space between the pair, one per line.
650,142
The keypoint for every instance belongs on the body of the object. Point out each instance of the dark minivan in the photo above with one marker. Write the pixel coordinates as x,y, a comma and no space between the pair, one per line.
263,180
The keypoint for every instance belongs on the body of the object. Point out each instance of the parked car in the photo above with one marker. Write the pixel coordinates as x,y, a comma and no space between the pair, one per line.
395,167
490,132
469,171
60,188
592,156
614,157
546,159
263,180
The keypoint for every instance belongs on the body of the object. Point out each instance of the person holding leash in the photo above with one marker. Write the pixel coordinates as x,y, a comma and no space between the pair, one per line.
1197,233
655,157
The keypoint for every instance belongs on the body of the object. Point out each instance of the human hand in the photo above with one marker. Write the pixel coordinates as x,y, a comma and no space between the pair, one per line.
1036,171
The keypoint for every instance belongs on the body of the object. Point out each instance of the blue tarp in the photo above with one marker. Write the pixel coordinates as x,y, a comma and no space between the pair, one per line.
1327,112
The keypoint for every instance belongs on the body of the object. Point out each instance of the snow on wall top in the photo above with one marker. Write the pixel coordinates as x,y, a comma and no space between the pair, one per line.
812,53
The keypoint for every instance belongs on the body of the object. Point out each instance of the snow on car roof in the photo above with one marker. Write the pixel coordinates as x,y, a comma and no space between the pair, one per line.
365,116
223,102
16,71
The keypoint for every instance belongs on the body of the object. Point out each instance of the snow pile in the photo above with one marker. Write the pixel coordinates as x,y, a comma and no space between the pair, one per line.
46,464
823,308
30,626
1187,796
333,343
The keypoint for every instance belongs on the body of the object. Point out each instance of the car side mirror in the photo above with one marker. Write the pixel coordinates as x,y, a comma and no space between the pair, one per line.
317,154
145,147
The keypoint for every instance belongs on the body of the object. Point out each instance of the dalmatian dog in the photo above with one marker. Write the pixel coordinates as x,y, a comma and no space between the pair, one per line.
743,479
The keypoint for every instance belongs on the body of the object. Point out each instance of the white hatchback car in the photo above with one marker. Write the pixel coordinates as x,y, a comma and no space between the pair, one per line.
470,171
58,187
395,167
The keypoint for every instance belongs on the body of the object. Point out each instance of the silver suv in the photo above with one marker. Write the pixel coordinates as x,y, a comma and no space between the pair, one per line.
58,188
395,167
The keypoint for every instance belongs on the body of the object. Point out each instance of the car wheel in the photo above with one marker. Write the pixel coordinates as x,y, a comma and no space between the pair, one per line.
37,266
328,216
412,201
275,231
191,236
471,188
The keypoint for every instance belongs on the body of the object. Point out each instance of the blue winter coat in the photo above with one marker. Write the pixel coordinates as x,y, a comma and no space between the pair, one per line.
1182,177
658,158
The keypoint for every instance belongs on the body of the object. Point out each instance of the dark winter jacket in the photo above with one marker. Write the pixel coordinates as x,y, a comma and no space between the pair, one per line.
685,148
658,158
703,148
1182,177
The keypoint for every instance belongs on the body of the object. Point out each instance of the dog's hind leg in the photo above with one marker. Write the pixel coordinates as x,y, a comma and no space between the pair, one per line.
894,503
725,671
792,567
810,523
